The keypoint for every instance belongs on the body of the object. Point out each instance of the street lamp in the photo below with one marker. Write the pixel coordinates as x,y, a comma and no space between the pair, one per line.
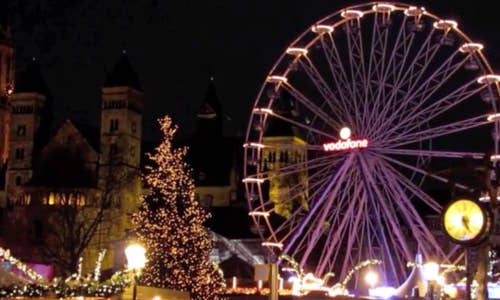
371,278
431,274
136,259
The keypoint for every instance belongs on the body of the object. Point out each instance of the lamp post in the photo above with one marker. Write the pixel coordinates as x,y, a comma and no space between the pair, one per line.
431,274
136,259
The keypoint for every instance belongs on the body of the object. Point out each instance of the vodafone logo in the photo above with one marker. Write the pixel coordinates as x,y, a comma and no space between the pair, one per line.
345,143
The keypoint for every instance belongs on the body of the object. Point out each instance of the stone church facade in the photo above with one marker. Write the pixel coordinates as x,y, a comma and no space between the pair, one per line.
72,177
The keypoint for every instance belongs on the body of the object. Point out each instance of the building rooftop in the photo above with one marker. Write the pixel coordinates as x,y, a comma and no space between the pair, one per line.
123,74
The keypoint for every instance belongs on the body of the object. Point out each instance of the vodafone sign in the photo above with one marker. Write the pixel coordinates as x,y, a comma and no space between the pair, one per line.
345,143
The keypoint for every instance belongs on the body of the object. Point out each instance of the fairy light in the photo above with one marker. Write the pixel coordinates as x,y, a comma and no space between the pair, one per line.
263,111
258,214
321,29
495,157
253,180
471,47
170,225
296,51
383,7
351,14
97,270
79,269
6,255
272,245
414,11
493,117
277,79
253,145
445,24
488,79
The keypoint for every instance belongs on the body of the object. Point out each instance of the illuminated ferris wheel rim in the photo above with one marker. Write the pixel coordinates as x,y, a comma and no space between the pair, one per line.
299,49
325,25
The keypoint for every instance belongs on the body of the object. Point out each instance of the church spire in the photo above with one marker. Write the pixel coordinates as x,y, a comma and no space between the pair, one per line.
209,115
210,107
123,74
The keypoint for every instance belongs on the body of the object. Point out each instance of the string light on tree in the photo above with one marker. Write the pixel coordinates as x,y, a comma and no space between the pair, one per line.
170,225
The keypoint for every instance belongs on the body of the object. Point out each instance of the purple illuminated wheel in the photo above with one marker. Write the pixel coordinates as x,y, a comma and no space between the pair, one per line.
348,132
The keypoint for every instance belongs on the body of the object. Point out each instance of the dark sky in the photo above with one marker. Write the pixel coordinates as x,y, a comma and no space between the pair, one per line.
176,46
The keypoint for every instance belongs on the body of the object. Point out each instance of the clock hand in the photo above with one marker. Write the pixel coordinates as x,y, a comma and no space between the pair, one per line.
465,222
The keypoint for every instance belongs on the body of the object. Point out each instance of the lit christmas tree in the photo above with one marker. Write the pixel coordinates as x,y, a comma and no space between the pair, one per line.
170,224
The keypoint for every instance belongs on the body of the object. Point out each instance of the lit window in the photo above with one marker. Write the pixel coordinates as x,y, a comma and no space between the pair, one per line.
19,153
21,130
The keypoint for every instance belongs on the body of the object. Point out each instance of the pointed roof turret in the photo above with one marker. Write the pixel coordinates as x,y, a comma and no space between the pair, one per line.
123,74
31,80
210,107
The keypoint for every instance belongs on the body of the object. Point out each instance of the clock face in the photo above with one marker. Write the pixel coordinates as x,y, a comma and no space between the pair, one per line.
464,220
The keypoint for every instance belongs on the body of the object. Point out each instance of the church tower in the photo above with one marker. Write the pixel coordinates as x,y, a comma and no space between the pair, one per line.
120,148
289,149
27,124
6,87
209,117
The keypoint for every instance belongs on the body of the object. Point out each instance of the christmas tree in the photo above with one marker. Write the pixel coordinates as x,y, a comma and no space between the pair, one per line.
170,223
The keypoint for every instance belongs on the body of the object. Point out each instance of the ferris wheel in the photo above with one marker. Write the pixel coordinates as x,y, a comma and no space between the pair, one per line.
350,129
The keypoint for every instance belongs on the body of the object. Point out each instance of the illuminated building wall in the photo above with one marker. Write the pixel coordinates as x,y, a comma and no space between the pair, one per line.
79,165
280,187
6,86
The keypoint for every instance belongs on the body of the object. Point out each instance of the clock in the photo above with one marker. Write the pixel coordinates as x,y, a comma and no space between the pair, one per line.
466,221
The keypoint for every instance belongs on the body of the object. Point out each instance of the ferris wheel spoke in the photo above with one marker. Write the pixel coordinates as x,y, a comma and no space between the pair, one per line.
413,102
403,81
429,153
336,233
376,211
332,188
434,82
411,216
443,130
420,63
338,74
297,167
402,43
423,172
413,188
290,225
320,84
422,116
378,196
328,212
299,190
312,107
301,125
357,68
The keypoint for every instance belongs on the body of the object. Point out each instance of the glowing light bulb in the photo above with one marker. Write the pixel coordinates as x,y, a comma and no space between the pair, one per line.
345,133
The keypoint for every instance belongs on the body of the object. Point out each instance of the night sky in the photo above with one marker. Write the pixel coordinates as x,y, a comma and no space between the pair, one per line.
176,46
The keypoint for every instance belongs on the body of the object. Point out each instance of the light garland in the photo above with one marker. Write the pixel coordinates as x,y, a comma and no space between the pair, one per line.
79,272
169,223
97,270
358,267
5,254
